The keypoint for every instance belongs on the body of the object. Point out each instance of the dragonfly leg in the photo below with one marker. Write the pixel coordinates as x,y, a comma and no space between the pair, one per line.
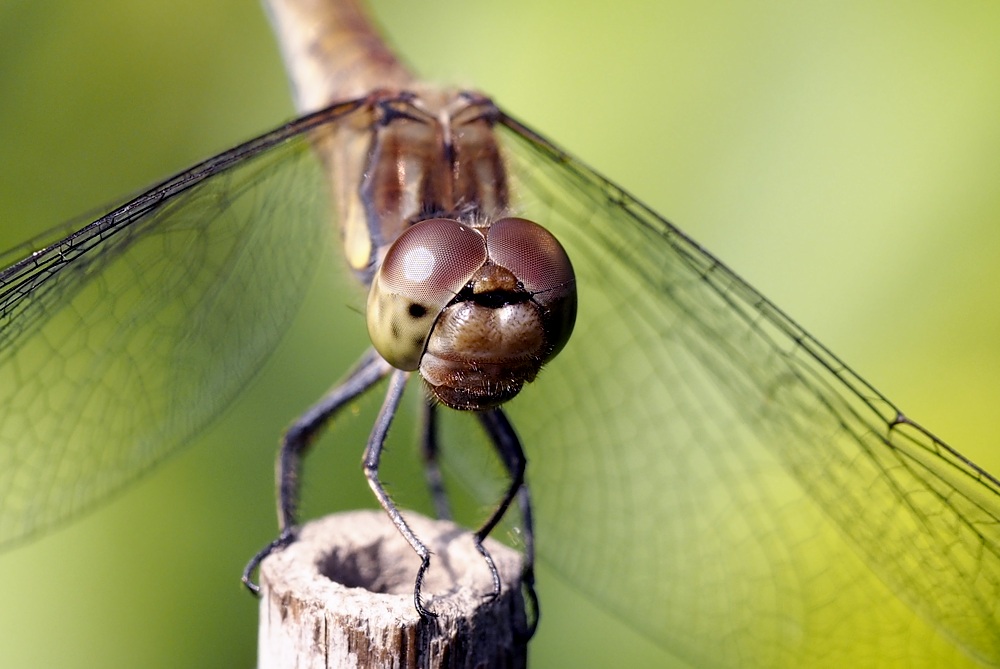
373,453
432,470
297,441
528,569
508,446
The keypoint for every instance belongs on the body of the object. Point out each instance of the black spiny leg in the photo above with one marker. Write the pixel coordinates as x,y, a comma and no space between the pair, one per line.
508,446
373,452
296,442
432,470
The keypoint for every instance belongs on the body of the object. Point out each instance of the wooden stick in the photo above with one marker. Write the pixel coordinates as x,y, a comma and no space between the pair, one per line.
342,596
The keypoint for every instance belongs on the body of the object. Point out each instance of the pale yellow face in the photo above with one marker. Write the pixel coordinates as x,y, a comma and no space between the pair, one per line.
478,310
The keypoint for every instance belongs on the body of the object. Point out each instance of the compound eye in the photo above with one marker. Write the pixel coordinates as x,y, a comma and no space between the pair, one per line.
534,256
540,263
422,271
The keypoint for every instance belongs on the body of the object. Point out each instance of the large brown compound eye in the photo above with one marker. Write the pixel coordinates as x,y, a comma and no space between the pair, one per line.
422,272
538,260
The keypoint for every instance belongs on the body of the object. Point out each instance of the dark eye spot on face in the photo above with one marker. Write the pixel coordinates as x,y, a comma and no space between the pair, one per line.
417,310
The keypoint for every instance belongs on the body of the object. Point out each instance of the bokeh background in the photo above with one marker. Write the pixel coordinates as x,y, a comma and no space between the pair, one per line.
842,157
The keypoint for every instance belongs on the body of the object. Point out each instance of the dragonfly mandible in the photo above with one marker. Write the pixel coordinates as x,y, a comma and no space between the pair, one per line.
542,455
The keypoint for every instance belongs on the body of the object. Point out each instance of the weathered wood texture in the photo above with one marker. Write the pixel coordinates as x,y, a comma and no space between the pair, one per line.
342,596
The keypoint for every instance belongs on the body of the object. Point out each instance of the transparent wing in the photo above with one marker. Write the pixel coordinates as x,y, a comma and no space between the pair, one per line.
121,341
709,472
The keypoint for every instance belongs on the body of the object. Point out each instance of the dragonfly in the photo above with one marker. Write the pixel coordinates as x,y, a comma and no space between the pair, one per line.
784,495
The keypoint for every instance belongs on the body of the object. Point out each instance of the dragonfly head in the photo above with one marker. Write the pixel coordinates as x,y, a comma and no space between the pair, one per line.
477,310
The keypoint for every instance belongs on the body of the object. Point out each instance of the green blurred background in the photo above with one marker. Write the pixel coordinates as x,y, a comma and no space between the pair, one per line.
842,157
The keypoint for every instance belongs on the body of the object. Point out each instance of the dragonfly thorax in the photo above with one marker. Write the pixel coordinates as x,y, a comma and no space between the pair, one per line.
409,156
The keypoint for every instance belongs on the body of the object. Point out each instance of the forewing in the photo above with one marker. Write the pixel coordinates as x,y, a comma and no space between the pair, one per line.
709,472
121,341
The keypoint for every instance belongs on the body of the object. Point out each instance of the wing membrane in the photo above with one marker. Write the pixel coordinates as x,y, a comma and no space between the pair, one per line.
121,341
707,470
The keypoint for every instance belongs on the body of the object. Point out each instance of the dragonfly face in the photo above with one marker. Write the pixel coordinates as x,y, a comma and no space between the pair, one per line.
478,309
